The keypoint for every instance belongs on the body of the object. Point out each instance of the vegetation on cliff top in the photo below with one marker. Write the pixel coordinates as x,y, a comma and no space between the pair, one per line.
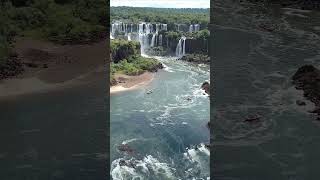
169,16
126,59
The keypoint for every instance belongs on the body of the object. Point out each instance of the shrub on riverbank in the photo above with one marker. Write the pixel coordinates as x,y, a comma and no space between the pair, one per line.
135,65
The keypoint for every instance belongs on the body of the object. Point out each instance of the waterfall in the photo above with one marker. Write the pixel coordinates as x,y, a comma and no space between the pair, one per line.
157,28
184,46
180,49
153,40
196,27
160,40
149,28
129,36
140,28
191,28
156,43
143,30
164,27
143,39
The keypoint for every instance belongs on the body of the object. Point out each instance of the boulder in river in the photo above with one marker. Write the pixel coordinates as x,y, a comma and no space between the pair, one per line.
196,58
307,78
206,87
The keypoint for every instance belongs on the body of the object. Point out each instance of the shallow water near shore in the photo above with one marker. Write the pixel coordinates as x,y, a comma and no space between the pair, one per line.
164,127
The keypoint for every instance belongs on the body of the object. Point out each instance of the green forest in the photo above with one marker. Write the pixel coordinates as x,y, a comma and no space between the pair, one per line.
164,15
59,21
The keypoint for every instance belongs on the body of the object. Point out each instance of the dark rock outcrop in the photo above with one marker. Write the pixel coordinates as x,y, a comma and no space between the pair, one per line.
11,67
300,103
206,87
196,58
156,67
307,78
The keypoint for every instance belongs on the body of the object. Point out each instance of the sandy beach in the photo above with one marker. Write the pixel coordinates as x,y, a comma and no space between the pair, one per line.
126,83
50,66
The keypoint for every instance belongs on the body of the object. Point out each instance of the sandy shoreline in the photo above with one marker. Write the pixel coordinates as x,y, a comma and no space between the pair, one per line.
66,66
131,82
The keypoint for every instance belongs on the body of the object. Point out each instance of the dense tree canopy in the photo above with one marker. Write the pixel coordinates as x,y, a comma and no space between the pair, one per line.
162,15
61,21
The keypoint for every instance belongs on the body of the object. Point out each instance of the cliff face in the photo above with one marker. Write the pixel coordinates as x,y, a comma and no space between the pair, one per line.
196,46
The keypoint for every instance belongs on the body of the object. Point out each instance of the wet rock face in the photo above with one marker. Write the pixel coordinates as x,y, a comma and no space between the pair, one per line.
206,87
196,46
307,78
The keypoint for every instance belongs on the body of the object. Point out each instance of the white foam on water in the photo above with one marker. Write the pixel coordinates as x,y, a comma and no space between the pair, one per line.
129,141
148,167
167,68
199,156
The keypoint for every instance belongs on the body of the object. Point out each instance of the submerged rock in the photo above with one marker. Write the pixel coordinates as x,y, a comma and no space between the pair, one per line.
253,118
125,148
127,163
300,103
307,78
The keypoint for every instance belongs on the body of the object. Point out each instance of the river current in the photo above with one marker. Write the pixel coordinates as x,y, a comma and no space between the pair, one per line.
165,130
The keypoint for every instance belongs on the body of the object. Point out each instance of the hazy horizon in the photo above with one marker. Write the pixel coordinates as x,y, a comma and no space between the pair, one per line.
162,3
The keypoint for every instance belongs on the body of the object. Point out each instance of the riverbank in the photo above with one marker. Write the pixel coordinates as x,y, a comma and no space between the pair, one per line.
126,83
48,66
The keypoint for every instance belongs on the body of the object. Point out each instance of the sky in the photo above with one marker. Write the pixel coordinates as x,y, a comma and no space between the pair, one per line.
163,3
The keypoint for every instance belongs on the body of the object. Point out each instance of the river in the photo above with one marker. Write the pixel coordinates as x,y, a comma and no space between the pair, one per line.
164,128
253,70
